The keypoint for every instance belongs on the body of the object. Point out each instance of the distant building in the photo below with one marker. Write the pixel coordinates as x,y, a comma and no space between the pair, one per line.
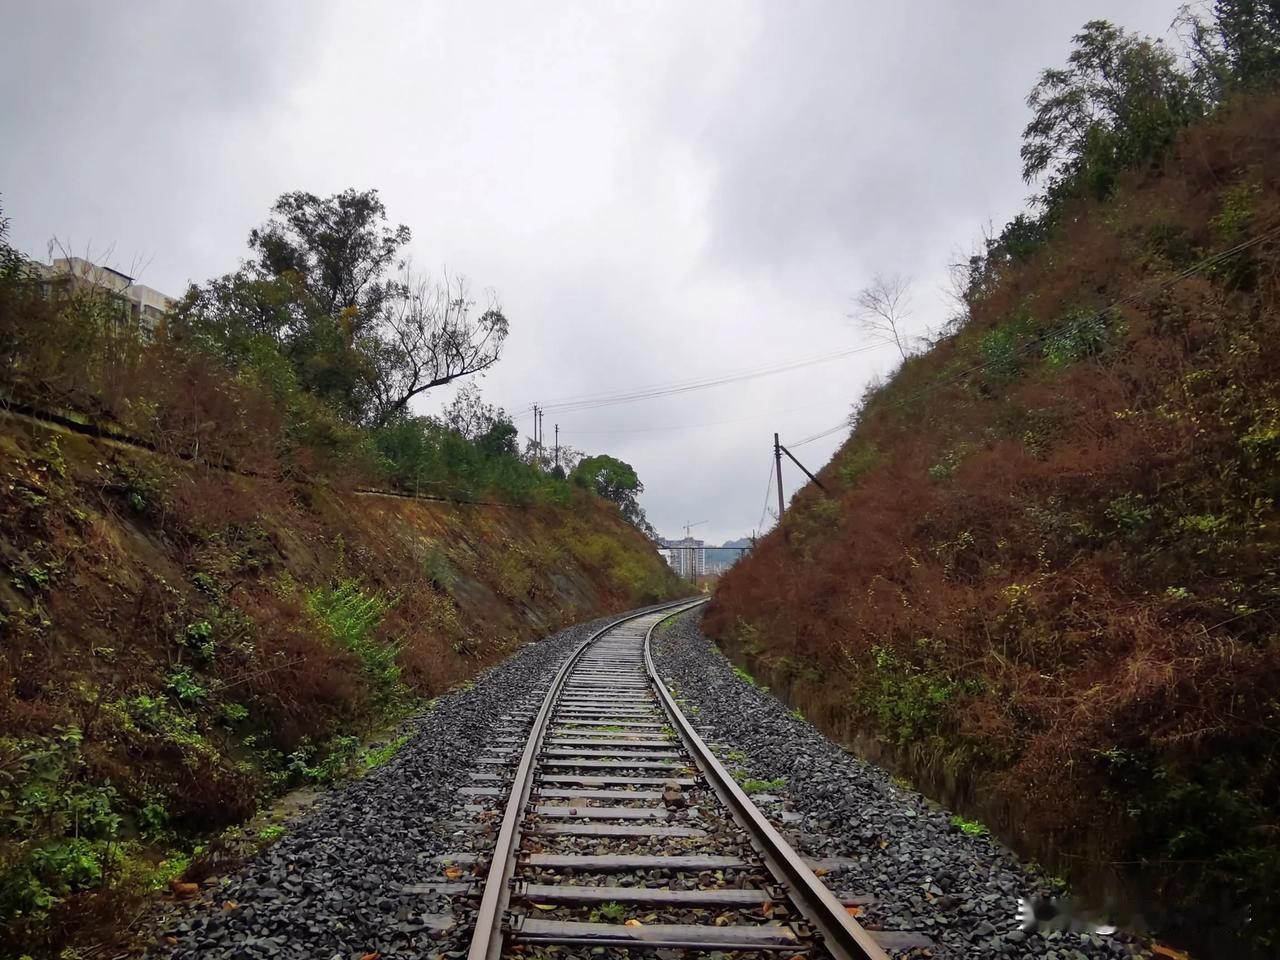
687,557
144,306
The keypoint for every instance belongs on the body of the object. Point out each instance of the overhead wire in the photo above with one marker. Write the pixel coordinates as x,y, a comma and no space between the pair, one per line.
593,401
768,489
697,426
842,425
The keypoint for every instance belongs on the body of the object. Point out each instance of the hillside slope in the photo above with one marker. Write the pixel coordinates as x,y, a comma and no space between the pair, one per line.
179,643
1044,581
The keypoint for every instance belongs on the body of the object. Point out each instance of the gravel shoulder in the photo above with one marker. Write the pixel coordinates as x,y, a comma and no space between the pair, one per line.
882,841
347,878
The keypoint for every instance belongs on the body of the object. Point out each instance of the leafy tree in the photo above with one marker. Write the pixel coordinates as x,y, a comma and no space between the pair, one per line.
338,249
13,265
483,424
1116,104
321,292
614,480
1238,47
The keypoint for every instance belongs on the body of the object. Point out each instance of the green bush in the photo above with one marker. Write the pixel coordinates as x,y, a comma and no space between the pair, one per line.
353,616
906,701
57,833
1080,335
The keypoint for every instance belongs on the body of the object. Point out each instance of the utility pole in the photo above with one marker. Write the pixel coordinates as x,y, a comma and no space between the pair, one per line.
542,434
557,446
778,451
777,459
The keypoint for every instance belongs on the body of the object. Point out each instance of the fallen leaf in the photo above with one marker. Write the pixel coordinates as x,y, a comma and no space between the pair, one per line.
767,908
229,904
184,890
171,941
853,911
821,872
633,922
545,906
371,956
453,873
1172,954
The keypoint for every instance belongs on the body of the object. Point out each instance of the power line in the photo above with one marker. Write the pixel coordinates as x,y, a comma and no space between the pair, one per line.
842,425
698,426
591,401
768,489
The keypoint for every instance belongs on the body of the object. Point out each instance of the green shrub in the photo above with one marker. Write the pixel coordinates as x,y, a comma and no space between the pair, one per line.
57,832
1082,334
353,616
856,462
751,785
182,683
906,702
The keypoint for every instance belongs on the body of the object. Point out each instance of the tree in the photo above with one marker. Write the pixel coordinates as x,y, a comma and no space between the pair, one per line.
1238,47
485,425
617,481
322,292
338,248
13,265
883,308
429,338
1117,103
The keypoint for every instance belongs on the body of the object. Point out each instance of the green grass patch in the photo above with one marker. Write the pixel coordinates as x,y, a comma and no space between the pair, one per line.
970,828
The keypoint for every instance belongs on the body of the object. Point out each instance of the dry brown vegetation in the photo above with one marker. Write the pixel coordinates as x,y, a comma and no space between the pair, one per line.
1048,561
166,660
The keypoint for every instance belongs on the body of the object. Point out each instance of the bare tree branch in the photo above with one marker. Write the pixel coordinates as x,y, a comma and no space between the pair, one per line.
882,309
428,337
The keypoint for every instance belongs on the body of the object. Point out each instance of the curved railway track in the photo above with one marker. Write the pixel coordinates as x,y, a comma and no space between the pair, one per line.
622,830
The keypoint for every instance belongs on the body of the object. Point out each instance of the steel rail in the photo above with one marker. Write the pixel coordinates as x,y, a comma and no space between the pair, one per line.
842,936
486,941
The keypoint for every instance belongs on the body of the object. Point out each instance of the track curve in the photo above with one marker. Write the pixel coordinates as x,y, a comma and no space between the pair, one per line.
622,829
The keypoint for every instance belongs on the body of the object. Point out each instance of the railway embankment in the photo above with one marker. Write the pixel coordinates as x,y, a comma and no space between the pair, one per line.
1040,580
907,864
183,643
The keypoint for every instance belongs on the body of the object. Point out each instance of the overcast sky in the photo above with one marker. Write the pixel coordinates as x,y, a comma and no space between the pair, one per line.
658,192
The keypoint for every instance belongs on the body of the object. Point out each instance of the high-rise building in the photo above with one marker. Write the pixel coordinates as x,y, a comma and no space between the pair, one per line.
688,557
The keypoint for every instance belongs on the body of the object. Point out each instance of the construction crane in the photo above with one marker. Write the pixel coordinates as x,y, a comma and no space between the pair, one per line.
690,526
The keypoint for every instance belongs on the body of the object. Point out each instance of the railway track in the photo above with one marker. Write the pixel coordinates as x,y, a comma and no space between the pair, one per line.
623,831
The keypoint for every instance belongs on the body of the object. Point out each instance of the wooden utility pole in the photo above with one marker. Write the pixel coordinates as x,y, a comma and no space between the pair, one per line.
777,459
557,446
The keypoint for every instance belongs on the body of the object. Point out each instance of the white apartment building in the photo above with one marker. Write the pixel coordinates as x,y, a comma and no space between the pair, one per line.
146,306
687,557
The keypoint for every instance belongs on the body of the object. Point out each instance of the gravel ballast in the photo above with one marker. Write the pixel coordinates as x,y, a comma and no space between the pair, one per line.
379,866
347,879
925,874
